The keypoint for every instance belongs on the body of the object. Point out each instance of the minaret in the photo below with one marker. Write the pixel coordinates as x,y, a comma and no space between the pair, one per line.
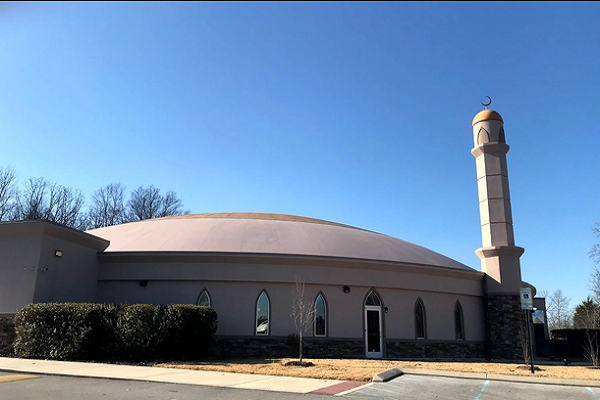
499,255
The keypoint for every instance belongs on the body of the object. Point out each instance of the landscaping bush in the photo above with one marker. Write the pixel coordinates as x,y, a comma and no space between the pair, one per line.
191,331
60,331
86,331
142,328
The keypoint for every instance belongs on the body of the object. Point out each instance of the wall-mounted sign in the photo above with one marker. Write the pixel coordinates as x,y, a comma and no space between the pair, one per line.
526,299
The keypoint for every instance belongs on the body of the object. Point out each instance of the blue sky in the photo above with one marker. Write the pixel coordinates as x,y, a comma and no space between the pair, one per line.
358,113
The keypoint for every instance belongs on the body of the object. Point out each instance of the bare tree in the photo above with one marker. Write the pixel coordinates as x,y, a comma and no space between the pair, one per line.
147,203
8,194
144,203
39,199
588,312
66,207
591,347
587,316
595,282
108,206
32,202
302,313
524,338
595,254
43,200
559,313
171,205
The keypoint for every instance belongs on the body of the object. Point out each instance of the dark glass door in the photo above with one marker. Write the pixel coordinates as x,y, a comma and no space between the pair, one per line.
373,332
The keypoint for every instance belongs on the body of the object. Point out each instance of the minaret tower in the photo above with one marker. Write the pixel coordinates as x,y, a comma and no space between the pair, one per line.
499,255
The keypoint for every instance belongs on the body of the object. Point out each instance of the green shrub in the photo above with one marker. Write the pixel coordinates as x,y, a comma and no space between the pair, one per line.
191,331
87,331
58,331
105,334
142,328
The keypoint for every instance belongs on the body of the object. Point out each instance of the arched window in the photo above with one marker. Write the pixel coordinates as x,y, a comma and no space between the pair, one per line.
420,331
483,136
320,325
459,324
204,299
262,314
502,136
373,299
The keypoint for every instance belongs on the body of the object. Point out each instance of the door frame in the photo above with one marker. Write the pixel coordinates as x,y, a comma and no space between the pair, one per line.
372,354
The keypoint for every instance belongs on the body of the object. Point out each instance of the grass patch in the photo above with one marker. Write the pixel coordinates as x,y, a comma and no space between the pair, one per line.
365,369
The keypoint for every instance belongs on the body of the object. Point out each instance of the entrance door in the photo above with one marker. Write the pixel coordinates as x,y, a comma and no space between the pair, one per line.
373,337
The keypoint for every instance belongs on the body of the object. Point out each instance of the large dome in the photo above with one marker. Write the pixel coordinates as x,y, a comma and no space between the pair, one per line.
258,233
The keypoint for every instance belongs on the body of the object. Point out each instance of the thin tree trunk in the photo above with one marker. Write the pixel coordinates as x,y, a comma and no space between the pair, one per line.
300,345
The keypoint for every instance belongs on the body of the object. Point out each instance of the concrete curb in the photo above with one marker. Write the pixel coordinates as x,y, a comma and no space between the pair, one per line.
445,374
387,375
544,381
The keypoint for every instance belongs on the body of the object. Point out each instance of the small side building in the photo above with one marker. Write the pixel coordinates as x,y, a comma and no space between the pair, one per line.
42,262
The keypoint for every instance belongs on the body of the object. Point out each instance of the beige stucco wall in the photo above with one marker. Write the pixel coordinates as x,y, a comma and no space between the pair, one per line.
19,260
31,273
234,287
72,278
439,312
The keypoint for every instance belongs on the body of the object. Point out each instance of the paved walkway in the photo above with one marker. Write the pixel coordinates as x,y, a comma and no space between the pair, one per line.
240,381
173,375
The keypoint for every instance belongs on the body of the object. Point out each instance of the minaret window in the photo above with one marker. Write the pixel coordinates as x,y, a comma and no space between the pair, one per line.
483,136
501,137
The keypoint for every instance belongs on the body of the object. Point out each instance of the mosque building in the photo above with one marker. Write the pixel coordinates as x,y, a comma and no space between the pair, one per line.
374,295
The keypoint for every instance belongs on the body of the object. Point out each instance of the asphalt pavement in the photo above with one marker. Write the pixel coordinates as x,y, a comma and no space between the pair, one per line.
249,381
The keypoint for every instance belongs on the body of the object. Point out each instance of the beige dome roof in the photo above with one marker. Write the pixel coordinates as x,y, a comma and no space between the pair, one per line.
486,115
259,233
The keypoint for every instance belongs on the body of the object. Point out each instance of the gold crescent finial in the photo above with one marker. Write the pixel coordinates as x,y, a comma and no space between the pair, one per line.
486,105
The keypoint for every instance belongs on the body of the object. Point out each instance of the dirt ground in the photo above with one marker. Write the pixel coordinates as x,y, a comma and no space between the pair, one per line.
365,369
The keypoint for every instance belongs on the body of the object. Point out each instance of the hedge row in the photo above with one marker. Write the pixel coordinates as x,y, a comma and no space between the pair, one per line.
86,331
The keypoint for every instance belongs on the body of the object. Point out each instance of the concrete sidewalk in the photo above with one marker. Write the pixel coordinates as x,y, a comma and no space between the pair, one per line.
173,375
245,381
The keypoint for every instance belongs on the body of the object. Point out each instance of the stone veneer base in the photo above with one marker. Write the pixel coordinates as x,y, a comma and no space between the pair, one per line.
435,349
345,348
505,327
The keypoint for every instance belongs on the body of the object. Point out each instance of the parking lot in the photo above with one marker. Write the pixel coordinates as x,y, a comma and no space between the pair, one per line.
413,387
